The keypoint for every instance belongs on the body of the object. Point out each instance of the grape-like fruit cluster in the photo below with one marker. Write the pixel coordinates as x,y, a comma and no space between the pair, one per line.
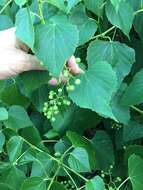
68,184
57,101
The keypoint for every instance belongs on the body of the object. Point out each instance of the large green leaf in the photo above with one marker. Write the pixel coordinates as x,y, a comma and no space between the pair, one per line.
98,79
17,118
55,43
132,131
119,55
4,186
134,93
96,183
11,95
117,18
120,111
34,183
95,6
14,147
30,81
5,22
13,177
135,168
103,145
24,23
78,160
86,26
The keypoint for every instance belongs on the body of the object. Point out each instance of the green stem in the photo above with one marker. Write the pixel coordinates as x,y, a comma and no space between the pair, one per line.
5,6
40,6
137,109
138,11
104,33
123,183
70,169
71,179
56,160
53,178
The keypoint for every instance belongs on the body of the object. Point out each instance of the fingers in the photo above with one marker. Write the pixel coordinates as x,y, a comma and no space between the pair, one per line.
74,67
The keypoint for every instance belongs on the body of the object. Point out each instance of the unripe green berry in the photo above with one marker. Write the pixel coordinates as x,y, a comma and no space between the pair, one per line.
59,103
71,88
50,97
55,108
59,90
66,74
57,154
78,60
77,81
56,112
48,116
45,104
102,175
53,119
49,113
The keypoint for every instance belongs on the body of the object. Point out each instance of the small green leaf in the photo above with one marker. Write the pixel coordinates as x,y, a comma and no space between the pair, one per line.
78,160
3,114
96,183
34,183
17,118
20,2
79,141
135,170
14,147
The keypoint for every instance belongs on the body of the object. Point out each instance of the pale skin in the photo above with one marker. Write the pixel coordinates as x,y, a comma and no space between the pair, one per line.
15,59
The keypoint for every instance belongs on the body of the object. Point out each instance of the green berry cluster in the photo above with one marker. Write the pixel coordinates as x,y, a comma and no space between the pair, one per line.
117,126
56,102
68,184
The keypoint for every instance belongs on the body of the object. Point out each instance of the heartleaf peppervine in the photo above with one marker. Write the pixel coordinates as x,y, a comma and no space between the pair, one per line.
86,132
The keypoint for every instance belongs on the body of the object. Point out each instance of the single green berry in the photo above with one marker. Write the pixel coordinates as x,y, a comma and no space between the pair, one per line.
66,73
111,166
49,113
50,97
53,119
59,103
119,179
77,81
56,112
102,175
57,154
48,116
78,60
71,88
45,104
55,108
59,90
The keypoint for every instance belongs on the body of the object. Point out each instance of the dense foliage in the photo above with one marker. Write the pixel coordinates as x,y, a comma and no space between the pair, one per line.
86,133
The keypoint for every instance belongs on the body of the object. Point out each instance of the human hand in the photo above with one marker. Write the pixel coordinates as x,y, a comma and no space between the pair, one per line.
14,57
